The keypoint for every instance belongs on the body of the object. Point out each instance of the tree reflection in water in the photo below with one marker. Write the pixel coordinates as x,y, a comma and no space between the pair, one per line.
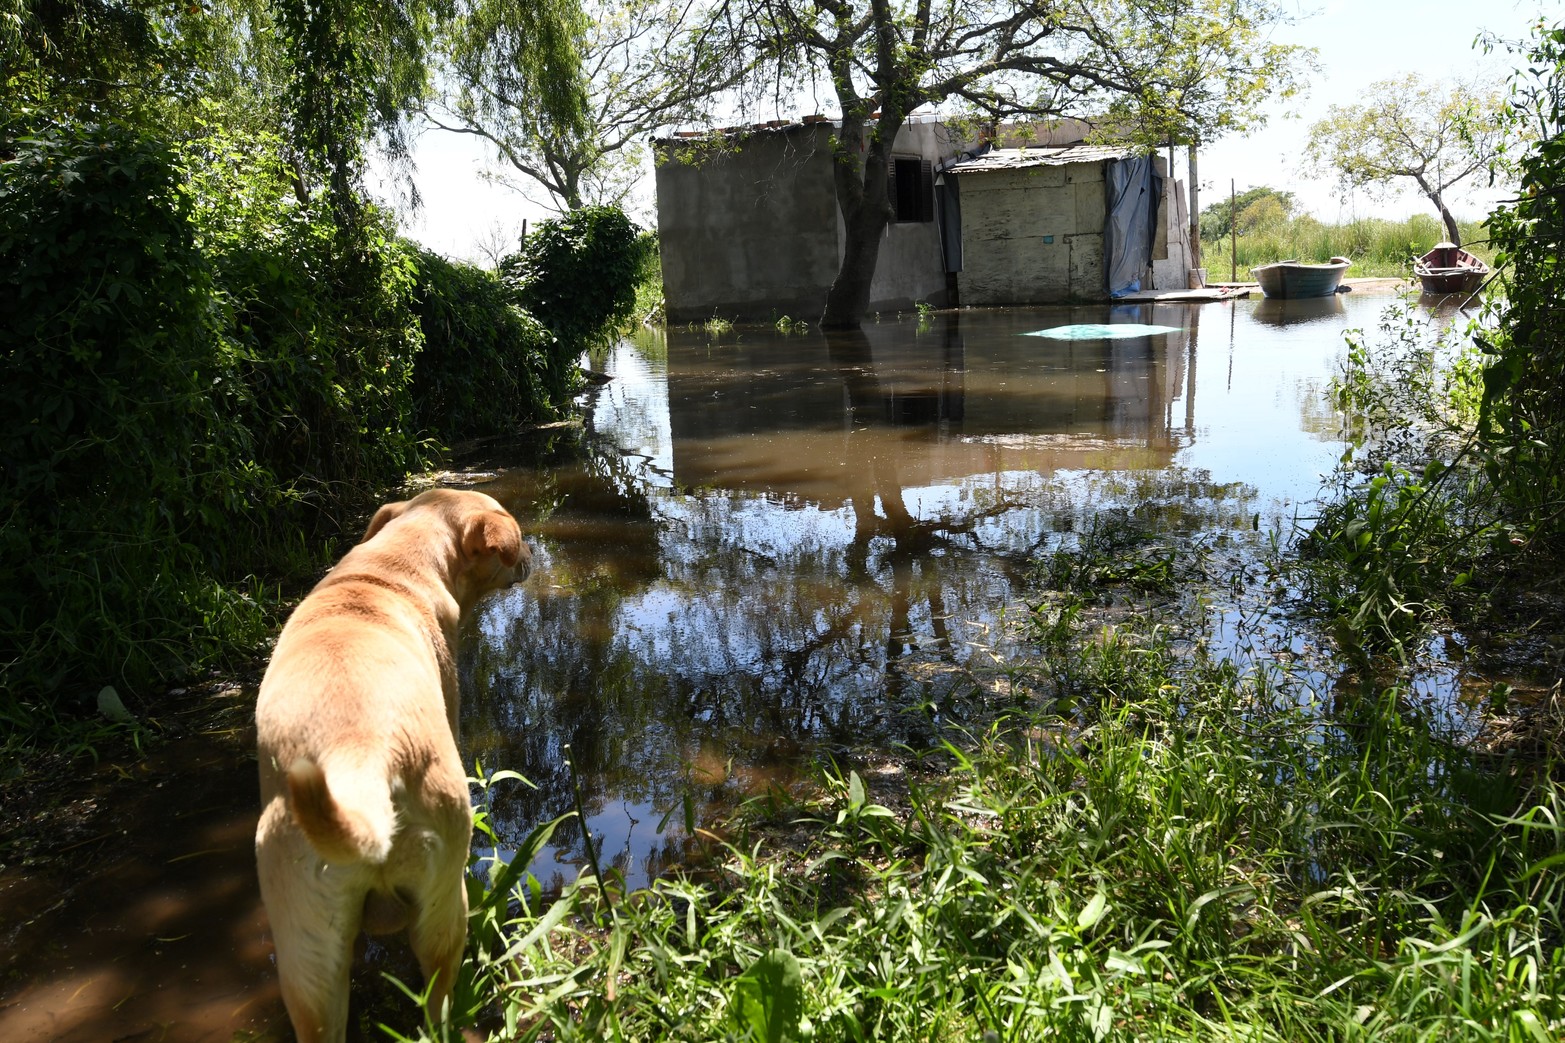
803,551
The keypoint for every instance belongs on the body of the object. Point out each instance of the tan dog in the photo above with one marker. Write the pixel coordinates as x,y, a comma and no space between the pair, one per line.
365,816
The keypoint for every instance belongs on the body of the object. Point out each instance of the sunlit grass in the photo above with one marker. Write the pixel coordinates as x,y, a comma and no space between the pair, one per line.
1377,247
1177,851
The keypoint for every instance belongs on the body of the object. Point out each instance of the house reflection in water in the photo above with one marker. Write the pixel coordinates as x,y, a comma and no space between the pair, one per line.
812,418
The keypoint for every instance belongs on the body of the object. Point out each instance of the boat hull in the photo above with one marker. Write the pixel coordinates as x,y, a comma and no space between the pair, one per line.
1449,269
1291,280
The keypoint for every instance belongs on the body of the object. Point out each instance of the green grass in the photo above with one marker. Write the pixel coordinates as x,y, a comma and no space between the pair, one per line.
1175,851
1377,247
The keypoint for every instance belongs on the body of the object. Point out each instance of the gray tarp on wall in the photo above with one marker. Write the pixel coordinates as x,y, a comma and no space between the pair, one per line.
1134,190
948,210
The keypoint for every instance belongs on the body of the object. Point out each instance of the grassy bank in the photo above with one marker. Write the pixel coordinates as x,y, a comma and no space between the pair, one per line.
1157,847
1378,247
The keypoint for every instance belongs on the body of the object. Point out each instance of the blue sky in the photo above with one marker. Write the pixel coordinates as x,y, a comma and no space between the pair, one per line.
1360,41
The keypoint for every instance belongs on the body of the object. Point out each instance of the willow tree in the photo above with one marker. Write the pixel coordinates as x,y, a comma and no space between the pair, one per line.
1152,70
646,65
1408,130
359,69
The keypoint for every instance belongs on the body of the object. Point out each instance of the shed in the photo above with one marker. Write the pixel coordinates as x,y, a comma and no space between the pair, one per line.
1035,224
749,228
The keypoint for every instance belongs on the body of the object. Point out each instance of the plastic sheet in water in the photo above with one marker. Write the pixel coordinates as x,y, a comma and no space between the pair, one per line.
1100,331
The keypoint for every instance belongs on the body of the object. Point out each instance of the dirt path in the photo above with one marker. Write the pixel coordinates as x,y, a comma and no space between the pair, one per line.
129,908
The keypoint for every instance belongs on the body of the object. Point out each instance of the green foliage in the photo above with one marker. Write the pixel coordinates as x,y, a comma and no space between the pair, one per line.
578,276
650,307
521,86
76,57
481,369
1208,856
1373,573
1377,246
123,456
1524,393
1217,219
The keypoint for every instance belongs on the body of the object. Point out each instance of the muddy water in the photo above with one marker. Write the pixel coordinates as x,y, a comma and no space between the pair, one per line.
773,548
764,549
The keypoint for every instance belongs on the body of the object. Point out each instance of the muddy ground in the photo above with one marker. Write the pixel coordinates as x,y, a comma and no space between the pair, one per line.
129,907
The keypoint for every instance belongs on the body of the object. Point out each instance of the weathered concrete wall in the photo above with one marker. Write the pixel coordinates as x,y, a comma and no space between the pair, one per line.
749,233
911,269
1033,235
753,232
1171,252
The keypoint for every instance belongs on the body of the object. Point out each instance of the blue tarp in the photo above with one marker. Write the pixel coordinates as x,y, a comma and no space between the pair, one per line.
1134,189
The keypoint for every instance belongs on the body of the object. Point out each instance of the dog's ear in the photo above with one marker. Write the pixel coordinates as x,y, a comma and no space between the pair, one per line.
492,532
388,513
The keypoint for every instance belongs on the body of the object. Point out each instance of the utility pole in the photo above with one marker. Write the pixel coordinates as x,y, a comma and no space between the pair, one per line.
1195,211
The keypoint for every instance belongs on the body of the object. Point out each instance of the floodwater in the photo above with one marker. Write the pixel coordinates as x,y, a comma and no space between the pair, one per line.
764,550
770,549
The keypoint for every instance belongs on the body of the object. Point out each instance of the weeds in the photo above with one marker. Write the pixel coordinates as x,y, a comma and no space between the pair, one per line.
1377,246
1202,855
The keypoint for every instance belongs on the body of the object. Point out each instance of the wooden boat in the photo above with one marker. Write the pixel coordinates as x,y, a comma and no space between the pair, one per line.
1449,269
1292,279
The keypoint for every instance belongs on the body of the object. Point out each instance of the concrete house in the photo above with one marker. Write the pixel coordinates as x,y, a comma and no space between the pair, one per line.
1037,225
749,227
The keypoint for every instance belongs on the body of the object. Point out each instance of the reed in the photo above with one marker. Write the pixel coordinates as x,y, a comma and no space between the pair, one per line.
1377,247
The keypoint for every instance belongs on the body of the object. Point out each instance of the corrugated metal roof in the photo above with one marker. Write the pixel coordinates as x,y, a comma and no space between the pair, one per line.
1043,156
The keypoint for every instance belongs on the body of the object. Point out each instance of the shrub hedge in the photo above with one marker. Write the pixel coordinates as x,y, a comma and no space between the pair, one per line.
206,379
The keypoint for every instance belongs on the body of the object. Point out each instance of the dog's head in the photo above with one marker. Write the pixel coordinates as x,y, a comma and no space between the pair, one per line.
488,541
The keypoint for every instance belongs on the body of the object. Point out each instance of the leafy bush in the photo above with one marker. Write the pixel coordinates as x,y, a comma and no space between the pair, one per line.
329,336
121,454
484,358
578,275
1524,394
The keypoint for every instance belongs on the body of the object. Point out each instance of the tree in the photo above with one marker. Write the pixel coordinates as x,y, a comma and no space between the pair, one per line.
1410,130
1253,205
1150,71
359,68
647,66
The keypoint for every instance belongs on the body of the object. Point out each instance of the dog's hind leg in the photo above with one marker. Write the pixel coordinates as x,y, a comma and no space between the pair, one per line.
439,930
313,968
313,924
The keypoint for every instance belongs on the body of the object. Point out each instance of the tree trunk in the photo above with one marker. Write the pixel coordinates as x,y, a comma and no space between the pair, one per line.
1446,217
859,172
1452,232
848,299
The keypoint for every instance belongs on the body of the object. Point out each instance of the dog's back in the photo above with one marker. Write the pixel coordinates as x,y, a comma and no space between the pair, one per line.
365,817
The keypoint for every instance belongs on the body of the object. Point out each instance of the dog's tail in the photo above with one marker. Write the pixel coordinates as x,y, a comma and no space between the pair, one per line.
351,821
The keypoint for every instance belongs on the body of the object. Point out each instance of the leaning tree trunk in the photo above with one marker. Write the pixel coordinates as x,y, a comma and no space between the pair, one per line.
859,173
1452,232
1449,218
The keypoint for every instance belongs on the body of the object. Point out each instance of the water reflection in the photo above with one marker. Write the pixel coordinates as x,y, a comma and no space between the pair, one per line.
1276,311
764,546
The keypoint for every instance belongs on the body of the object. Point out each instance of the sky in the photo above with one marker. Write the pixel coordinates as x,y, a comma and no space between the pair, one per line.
1359,42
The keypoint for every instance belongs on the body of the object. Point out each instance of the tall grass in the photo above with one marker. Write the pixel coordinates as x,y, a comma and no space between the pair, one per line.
1177,851
1377,247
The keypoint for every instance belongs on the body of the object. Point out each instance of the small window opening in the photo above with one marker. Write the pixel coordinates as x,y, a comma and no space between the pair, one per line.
913,189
